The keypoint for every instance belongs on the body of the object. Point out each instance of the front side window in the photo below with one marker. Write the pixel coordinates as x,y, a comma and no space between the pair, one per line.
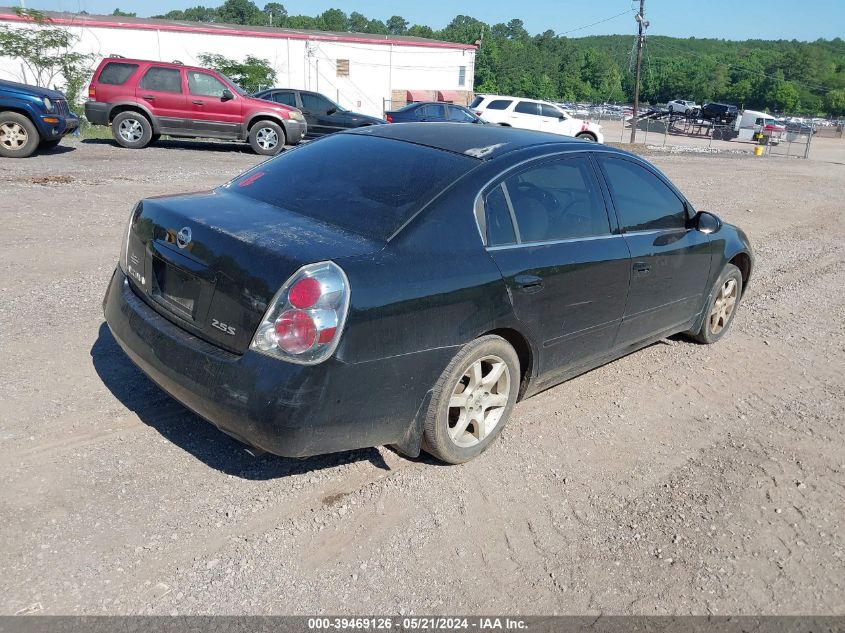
526,107
460,115
116,73
204,85
557,200
643,201
499,104
550,111
314,103
162,80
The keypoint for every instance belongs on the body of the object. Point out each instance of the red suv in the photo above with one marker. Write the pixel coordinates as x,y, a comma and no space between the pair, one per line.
141,100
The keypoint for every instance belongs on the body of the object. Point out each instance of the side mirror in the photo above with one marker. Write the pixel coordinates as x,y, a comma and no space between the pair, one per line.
227,95
331,111
706,222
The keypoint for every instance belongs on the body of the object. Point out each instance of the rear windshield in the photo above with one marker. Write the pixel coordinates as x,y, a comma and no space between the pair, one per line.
476,101
367,185
116,73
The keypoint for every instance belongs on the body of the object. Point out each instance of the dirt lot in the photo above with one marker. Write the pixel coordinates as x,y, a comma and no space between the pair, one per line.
681,479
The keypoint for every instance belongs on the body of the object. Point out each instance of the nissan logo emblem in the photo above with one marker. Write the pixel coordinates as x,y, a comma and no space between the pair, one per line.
183,237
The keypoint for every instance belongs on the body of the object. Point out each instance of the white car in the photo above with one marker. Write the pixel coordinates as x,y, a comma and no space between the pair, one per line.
681,105
530,114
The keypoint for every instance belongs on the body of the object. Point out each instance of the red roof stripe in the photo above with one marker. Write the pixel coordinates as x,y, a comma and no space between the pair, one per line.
87,22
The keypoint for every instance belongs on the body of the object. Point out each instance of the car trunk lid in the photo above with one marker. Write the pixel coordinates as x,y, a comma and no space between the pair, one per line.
211,262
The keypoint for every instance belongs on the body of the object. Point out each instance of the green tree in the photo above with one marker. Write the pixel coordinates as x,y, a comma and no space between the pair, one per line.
124,14
358,22
252,74
276,13
834,102
781,96
238,12
333,20
47,55
397,25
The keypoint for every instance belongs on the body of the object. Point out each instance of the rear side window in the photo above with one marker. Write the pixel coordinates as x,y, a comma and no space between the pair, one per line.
285,97
643,201
499,225
370,202
558,200
499,104
162,80
116,73
526,107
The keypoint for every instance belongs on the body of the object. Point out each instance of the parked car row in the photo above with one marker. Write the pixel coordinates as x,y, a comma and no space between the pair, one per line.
142,100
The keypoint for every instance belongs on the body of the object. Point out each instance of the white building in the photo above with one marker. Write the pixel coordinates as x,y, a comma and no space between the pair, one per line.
364,72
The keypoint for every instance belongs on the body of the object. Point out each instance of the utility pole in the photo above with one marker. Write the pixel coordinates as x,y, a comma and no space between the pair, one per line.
643,25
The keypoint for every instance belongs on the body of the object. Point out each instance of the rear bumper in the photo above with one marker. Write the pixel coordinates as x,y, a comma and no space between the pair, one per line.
97,113
286,409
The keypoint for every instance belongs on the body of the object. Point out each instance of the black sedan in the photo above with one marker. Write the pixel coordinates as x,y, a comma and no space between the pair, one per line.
322,115
432,112
412,299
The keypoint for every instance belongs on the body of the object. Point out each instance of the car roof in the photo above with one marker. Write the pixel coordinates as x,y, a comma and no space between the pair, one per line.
485,142
174,64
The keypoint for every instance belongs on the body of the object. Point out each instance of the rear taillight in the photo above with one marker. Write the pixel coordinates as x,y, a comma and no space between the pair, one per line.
305,319
389,118
478,113
92,92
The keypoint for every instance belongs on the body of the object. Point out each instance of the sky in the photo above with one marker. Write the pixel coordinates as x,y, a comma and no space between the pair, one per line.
726,19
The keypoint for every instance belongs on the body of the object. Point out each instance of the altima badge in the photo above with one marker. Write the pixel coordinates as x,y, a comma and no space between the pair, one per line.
183,237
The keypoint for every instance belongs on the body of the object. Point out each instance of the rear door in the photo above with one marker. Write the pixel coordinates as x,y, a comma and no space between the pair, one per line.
670,260
525,115
210,113
162,90
565,264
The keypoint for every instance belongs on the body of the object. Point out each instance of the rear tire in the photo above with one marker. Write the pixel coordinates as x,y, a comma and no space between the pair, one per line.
267,138
472,400
19,137
721,307
132,129
587,136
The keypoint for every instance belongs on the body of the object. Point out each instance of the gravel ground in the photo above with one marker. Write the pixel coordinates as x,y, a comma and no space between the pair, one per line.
680,479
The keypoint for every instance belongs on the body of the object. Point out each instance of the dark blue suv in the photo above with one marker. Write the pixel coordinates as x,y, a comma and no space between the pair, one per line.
31,117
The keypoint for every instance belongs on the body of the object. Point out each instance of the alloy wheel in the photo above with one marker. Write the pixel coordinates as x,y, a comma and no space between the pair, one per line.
724,306
130,130
267,138
13,136
478,401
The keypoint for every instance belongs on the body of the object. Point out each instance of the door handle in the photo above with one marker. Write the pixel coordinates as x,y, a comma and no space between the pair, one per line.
149,97
529,283
198,102
641,268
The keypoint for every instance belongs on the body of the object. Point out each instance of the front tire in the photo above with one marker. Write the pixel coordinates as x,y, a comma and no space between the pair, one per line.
132,130
587,136
19,138
472,400
722,306
267,138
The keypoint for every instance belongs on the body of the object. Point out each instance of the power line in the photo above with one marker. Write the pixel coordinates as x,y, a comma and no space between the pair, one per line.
586,26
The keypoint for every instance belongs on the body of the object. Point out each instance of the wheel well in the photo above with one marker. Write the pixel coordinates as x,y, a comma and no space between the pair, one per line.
128,108
523,352
20,111
743,262
266,117
505,124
